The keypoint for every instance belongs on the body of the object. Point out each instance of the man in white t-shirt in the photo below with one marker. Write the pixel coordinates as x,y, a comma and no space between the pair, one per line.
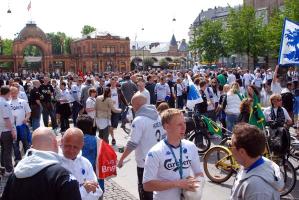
142,90
231,78
7,130
21,113
146,131
162,91
247,78
173,164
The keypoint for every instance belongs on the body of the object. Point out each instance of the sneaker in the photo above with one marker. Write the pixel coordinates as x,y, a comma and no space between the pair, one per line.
113,142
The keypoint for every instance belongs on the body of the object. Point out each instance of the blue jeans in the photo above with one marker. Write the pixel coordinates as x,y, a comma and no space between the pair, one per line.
35,123
75,111
231,120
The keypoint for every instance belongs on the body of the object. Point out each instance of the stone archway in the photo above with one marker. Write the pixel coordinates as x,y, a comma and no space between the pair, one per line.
32,35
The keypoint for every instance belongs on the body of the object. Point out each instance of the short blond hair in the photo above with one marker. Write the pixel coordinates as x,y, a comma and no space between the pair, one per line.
274,97
167,115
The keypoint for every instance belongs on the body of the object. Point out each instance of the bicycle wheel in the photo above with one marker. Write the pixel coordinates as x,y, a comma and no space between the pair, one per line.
202,146
217,163
126,127
289,175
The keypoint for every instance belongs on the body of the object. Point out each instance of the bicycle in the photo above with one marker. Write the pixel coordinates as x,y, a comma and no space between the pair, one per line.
227,165
294,151
196,128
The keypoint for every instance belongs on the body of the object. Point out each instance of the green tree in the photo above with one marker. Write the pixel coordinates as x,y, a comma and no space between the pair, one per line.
245,33
32,50
7,47
274,28
147,62
87,29
163,63
61,43
209,40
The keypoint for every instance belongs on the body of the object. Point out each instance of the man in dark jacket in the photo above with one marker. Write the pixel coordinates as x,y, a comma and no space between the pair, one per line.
39,175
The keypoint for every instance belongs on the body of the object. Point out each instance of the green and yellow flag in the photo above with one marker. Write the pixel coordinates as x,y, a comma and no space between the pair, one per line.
256,116
212,126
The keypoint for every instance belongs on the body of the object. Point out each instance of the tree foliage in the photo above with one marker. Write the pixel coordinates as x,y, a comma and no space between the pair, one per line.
246,33
7,45
148,62
163,63
61,44
209,41
87,29
274,28
32,50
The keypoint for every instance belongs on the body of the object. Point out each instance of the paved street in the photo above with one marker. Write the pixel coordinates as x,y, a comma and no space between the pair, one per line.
127,178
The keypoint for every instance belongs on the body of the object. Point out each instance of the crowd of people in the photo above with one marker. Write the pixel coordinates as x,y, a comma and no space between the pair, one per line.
96,104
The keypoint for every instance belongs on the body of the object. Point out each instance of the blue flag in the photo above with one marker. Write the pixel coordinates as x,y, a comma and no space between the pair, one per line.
193,96
289,47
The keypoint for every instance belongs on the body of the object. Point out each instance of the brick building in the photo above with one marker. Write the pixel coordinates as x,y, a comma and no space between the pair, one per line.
102,53
98,54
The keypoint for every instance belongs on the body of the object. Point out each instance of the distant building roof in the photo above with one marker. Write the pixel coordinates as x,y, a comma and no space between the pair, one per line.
31,31
183,46
173,41
162,47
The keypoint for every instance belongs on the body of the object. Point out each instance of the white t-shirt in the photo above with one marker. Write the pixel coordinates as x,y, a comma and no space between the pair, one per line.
23,95
146,93
5,113
145,133
231,78
114,97
91,103
19,109
65,96
160,165
82,170
247,79
162,91
276,88
179,89
267,113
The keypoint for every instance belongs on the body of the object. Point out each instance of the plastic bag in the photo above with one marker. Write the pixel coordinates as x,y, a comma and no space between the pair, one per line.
197,195
107,161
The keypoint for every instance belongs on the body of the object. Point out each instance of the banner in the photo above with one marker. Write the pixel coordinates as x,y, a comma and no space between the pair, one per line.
289,47
193,96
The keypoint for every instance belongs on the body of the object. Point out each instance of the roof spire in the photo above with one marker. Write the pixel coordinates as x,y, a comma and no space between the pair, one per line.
173,41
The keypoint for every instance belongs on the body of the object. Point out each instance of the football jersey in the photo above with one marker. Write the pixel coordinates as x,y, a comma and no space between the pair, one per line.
162,91
145,132
19,108
160,165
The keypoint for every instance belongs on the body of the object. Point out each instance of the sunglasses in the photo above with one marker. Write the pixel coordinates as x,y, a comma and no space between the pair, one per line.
278,99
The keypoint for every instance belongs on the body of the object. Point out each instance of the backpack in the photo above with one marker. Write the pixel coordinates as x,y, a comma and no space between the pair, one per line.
279,141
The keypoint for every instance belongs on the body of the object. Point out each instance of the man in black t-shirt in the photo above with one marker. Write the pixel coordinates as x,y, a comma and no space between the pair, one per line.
47,92
35,104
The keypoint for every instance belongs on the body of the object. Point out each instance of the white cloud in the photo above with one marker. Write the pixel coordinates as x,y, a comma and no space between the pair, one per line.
120,17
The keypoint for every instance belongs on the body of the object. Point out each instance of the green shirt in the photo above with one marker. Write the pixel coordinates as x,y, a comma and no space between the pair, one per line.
221,79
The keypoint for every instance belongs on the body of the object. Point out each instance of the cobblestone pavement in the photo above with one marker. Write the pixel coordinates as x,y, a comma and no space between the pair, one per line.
115,191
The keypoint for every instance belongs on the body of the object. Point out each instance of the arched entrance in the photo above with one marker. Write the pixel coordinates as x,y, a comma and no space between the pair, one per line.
32,36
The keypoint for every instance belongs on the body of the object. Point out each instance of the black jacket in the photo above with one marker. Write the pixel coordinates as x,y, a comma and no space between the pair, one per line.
51,183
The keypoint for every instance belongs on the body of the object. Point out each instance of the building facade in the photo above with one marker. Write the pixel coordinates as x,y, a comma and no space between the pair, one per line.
98,54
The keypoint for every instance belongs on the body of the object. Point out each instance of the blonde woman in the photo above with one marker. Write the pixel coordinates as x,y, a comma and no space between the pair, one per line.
232,107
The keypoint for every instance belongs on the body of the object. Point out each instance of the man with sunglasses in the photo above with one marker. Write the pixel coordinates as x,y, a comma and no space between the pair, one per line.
276,113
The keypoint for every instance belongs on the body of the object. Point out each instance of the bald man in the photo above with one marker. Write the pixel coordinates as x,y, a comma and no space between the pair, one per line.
71,145
39,174
146,131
